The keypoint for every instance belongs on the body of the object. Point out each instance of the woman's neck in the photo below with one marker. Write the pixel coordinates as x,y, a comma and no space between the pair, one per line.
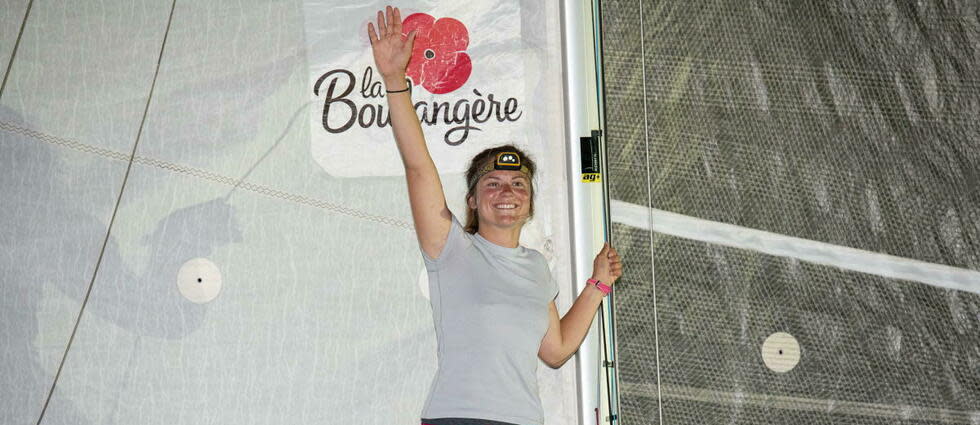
505,237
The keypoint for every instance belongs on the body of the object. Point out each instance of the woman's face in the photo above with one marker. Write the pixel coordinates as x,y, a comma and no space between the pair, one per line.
503,198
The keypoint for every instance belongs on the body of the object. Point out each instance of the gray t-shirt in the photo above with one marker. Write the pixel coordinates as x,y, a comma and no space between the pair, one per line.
490,308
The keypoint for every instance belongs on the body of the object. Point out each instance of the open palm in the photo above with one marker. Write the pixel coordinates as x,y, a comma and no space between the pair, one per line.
392,50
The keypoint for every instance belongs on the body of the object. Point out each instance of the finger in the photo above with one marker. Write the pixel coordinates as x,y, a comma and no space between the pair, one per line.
605,248
397,21
382,28
389,17
373,36
411,38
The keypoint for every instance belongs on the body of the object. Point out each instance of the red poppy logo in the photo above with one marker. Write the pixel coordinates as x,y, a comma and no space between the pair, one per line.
439,61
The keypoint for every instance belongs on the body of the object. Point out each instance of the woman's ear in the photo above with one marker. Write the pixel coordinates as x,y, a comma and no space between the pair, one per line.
471,202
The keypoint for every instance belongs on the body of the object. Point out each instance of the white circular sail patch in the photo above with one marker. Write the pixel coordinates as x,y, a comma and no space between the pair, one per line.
199,280
781,352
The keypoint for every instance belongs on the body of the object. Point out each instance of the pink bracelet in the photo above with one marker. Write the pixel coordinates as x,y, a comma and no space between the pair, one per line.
606,289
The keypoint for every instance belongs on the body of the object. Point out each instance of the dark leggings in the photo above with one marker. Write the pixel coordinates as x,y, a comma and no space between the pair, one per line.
462,421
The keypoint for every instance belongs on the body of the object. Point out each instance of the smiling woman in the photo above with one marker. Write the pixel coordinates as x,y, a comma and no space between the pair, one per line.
492,299
499,186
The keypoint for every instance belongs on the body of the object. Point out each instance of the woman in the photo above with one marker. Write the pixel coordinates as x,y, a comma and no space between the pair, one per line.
492,300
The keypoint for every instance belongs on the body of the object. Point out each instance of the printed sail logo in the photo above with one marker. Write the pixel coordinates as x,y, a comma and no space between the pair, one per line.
440,65
439,62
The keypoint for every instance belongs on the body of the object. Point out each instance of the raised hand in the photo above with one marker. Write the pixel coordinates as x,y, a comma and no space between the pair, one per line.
392,50
607,266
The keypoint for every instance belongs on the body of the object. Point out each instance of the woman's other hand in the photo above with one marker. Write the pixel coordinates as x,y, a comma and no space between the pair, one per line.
607,266
391,49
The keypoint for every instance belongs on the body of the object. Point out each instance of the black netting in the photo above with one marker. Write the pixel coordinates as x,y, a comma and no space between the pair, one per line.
871,346
849,123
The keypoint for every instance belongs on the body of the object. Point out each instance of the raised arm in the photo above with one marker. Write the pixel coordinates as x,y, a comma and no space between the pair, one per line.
392,51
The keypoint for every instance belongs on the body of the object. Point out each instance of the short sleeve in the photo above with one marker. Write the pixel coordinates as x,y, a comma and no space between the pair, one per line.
455,241
551,288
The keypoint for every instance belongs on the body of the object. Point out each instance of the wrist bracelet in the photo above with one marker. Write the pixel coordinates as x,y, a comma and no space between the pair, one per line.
606,289
398,91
